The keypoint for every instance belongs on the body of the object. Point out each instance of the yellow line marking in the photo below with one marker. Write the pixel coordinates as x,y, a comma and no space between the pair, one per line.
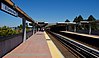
53,49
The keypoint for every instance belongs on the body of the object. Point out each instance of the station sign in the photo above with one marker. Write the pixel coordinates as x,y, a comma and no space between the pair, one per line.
9,10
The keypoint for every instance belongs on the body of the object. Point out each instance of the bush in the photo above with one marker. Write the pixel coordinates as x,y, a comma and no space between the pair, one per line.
5,31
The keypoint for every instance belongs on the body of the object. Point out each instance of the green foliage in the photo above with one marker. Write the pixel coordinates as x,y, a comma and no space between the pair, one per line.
94,25
5,31
75,19
67,20
21,26
91,18
78,19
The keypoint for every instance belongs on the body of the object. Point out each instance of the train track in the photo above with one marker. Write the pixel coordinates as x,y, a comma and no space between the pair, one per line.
80,49
66,52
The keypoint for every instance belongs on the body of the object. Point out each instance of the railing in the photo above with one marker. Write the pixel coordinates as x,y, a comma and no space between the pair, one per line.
8,43
80,49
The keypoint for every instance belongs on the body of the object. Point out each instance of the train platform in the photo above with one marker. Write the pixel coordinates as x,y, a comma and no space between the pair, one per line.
86,35
38,45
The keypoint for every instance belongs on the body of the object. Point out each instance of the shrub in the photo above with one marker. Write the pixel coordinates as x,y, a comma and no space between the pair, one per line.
5,31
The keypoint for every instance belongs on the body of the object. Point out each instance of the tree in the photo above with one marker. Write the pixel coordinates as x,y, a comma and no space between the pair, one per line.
94,25
67,20
5,31
91,18
20,26
4,28
26,25
78,19
75,19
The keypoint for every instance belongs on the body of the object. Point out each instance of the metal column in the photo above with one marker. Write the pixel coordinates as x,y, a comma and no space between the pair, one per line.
66,27
24,29
89,28
74,28
33,29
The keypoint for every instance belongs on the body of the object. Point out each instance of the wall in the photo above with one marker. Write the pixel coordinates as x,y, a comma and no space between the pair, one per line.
8,43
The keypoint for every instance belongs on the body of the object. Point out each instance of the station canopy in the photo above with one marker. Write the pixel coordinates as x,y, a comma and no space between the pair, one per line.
9,7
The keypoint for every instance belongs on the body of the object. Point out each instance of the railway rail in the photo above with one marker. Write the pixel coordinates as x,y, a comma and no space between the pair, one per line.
80,49
91,41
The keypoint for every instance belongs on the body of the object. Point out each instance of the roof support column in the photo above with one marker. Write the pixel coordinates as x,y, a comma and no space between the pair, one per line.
66,27
24,29
89,28
36,28
33,28
74,28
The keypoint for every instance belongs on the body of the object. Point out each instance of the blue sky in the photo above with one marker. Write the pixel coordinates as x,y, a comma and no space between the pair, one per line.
52,10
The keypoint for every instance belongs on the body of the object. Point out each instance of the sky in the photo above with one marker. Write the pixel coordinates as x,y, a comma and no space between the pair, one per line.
52,10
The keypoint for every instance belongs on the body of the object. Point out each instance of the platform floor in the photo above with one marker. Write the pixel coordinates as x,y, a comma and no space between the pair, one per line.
55,52
35,47
87,35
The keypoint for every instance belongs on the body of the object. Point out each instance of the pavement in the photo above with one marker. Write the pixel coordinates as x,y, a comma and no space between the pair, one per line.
35,47
38,45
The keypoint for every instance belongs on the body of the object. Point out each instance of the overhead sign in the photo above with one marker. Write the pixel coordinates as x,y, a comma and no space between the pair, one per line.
8,10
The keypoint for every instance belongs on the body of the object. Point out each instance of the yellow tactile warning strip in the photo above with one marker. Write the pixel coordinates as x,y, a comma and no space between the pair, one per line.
53,49
93,36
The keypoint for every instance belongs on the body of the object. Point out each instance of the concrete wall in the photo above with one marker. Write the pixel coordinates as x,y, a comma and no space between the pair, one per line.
28,34
94,32
8,43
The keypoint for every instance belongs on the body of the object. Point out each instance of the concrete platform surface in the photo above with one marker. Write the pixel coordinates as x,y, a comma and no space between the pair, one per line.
87,35
35,47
